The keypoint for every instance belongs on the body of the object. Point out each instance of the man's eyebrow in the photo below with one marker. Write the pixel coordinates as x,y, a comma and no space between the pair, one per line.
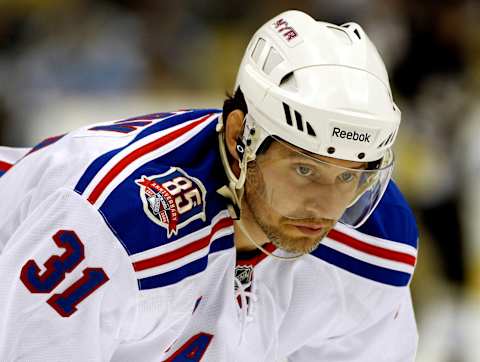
362,166
309,156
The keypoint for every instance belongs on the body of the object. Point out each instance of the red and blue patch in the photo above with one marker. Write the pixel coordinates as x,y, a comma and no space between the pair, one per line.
172,199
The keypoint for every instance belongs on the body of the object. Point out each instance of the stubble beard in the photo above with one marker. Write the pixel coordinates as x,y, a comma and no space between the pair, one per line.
284,241
259,211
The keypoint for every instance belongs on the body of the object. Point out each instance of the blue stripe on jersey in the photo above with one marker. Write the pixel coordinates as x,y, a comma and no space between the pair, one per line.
2,173
364,269
174,276
188,270
46,142
93,169
168,122
223,243
392,219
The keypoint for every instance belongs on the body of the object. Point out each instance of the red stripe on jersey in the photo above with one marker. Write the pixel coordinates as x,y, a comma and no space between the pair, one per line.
253,261
149,147
5,166
182,251
371,249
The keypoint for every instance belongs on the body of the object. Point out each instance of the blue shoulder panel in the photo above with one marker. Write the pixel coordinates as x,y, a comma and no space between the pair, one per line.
390,261
170,200
392,219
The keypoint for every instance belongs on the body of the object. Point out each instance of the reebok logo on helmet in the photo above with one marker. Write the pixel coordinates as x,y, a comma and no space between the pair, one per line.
345,132
352,135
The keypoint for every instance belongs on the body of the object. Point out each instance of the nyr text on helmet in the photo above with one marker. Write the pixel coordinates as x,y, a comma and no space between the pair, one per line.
287,31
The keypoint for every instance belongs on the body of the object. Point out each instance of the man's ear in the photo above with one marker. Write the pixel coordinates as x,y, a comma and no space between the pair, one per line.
233,129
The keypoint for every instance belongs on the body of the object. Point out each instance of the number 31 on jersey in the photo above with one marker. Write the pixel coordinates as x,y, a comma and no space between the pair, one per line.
56,268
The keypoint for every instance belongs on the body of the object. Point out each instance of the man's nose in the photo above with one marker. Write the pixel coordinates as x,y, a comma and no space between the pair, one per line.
326,202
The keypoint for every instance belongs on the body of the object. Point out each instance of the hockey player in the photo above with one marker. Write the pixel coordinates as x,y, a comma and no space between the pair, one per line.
265,232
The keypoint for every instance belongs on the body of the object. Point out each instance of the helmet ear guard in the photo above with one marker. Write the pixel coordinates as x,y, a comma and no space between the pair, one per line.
234,190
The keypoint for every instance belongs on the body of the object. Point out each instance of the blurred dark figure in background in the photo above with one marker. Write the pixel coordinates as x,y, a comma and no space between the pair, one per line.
430,74
431,79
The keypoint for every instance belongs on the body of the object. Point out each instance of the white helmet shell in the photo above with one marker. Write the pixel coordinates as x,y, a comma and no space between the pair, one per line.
321,87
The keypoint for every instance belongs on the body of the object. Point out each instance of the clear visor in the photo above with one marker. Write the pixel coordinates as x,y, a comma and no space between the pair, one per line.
303,186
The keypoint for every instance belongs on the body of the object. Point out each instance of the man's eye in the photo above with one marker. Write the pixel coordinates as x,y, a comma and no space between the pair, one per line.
346,177
303,170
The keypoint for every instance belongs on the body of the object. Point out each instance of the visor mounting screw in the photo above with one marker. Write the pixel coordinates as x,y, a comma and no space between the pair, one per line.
240,148
361,155
331,150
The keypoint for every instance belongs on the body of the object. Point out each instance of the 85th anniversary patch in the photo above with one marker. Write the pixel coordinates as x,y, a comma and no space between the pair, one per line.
172,199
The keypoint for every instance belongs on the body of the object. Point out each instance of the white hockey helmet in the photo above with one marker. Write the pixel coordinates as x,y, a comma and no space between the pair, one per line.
320,87
324,89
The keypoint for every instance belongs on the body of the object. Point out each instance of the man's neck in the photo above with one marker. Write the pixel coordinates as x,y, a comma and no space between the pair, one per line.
248,235
243,242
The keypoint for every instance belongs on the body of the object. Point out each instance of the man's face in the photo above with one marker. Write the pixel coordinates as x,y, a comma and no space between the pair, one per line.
296,199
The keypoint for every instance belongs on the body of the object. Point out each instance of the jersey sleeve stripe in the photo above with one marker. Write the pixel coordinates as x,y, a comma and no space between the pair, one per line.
189,266
46,142
372,249
369,258
377,241
362,268
135,154
182,251
223,242
175,264
220,237
161,123
177,243
5,166
174,276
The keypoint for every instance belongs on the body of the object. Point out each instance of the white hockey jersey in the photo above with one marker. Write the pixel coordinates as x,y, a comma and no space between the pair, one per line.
115,246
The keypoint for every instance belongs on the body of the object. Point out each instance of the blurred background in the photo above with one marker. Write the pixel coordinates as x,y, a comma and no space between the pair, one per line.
66,63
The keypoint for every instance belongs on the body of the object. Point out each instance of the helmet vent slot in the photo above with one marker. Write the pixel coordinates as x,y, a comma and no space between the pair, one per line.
299,122
310,130
257,50
288,116
273,59
357,33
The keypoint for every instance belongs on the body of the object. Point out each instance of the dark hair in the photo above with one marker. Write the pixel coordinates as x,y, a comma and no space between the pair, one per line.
235,101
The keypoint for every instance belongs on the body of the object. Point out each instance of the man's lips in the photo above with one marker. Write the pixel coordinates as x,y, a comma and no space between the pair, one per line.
311,229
